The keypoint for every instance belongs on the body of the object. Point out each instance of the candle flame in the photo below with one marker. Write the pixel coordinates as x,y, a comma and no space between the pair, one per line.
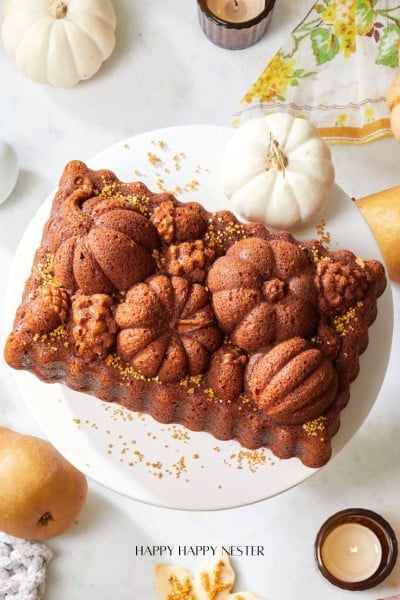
353,549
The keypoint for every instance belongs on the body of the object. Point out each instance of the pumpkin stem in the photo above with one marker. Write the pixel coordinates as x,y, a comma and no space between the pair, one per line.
57,9
276,159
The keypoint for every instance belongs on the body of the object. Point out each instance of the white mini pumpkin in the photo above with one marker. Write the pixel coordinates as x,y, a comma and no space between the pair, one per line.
59,41
278,170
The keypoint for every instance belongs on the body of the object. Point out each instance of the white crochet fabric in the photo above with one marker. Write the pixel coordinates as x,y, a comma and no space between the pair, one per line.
22,568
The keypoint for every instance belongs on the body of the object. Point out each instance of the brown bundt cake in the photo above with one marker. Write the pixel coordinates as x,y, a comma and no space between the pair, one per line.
195,317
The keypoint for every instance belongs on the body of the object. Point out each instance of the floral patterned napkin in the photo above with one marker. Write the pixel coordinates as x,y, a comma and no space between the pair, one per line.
334,69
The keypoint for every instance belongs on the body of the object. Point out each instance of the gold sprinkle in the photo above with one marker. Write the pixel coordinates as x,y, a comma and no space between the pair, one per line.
60,333
251,459
191,380
216,585
343,323
324,236
114,190
228,233
181,590
46,271
360,262
155,465
313,427
192,186
180,467
126,372
158,259
179,433
154,159
244,399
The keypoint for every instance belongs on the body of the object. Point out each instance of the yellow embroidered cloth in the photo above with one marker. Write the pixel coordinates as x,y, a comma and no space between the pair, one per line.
334,69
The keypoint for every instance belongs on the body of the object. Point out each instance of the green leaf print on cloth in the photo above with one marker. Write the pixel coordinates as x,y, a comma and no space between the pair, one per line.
325,44
388,47
334,68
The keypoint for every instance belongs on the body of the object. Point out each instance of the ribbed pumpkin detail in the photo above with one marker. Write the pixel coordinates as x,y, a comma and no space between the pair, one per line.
292,383
262,293
168,328
106,245
59,42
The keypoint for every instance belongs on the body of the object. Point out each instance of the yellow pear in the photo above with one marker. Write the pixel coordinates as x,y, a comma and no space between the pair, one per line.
382,212
41,494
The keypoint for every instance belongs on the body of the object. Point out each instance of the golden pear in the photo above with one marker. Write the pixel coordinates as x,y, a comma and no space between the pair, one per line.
393,103
382,212
41,494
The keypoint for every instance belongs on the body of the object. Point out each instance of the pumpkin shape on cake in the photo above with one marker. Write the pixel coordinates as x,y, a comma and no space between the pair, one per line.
293,382
103,246
194,317
168,328
262,292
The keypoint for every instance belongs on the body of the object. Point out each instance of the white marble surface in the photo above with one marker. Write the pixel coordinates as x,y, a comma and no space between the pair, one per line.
164,72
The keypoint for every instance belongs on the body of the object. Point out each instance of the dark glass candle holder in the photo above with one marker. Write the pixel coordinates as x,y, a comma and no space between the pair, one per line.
234,32
372,530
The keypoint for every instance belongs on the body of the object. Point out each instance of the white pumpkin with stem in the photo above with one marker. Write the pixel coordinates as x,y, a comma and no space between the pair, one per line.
59,41
278,170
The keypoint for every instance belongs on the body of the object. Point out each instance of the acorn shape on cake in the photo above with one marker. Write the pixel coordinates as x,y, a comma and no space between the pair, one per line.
179,223
48,308
342,282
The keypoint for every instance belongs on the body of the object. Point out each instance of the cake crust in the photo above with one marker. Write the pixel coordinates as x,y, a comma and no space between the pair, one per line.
194,317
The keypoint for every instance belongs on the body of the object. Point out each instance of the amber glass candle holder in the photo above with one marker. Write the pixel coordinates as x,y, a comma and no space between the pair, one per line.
355,549
234,32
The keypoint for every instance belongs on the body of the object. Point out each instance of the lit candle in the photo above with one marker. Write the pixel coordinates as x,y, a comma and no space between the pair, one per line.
236,11
351,552
234,24
356,549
